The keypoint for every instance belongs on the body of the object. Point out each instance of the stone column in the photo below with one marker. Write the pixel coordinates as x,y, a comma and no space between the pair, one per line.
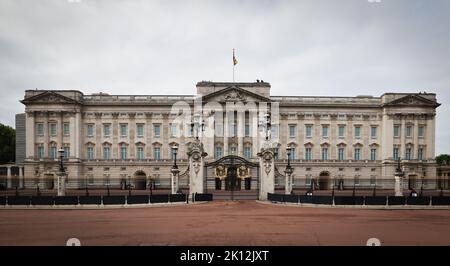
59,130
174,180
241,132
196,167
21,178
267,170
8,177
225,133
46,135
30,135
288,180
398,185
61,184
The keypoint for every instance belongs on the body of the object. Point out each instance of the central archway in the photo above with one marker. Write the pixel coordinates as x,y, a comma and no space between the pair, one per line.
324,181
140,180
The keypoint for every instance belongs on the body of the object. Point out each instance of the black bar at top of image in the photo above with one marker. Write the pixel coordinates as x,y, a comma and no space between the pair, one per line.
251,255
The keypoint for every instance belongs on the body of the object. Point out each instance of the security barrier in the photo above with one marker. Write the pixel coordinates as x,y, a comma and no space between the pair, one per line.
348,200
66,200
138,199
42,200
375,200
159,198
113,200
177,197
90,200
203,197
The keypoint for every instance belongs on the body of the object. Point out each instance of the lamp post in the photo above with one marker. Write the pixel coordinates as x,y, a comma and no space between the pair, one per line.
288,171
61,174
175,171
399,179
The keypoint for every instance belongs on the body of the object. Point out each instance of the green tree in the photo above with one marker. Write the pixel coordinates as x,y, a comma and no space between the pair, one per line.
443,159
7,144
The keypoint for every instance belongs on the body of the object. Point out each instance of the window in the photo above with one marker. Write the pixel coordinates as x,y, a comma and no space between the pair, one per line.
172,154
341,131
396,131
173,130
66,152
420,154
123,152
247,130
408,154
341,154
123,130
53,129
421,131
219,152
308,180
66,129
308,154
357,154
277,153
292,129
157,153
140,153
325,154
373,132
140,130
157,130
40,129
308,131
373,180
357,131
53,152
248,152
90,153
106,128
293,153
373,154
40,152
409,131
90,130
106,153
396,154
325,131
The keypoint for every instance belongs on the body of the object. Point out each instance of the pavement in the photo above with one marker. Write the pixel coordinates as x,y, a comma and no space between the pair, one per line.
226,223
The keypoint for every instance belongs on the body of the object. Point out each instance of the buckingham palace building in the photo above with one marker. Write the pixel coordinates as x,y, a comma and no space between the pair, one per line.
133,139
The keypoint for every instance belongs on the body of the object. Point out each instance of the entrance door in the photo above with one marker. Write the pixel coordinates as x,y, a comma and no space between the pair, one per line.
248,183
231,181
412,181
324,181
218,184
140,180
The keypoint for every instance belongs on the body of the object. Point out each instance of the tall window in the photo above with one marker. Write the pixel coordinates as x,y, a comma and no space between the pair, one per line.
172,154
308,131
40,129
357,131
373,154
173,130
106,153
308,180
247,130
53,129
408,154
409,131
123,152
341,131
421,131
106,130
396,153
140,153
123,130
420,153
248,152
396,131
219,152
53,152
66,152
292,129
66,129
157,130
325,131
90,130
90,153
325,154
157,153
293,154
308,154
40,152
357,154
373,132
140,130
341,154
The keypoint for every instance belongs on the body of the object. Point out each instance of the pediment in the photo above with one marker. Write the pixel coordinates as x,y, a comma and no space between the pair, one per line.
413,100
49,97
234,94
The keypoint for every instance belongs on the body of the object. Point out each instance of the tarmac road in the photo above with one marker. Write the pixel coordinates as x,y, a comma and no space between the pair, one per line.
225,223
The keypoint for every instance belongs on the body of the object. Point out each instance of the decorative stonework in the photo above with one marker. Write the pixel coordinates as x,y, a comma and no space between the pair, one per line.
234,96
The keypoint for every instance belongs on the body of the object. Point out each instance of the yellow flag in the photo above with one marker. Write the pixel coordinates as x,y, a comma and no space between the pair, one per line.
234,59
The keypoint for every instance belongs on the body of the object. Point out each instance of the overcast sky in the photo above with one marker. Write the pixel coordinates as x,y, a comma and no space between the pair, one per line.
336,48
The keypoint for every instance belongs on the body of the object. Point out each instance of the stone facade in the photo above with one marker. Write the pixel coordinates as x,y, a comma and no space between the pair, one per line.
120,139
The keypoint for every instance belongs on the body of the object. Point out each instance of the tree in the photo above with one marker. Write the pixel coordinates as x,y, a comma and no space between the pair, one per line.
7,144
443,159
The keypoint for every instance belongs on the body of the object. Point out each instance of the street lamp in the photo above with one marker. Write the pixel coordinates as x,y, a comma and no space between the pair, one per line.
61,181
174,170
288,171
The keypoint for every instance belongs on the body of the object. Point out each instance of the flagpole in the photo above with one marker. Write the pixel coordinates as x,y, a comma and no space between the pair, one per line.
233,65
